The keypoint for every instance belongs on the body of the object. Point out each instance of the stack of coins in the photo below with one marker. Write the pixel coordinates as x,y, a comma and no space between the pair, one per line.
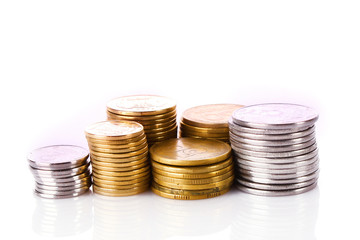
275,148
119,158
60,171
208,121
191,168
157,115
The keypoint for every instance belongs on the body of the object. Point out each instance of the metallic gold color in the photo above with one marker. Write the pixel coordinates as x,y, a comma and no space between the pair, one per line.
114,130
119,193
189,197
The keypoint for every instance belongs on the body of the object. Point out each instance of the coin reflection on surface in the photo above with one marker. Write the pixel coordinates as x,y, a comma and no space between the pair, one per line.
290,217
177,218
121,217
62,217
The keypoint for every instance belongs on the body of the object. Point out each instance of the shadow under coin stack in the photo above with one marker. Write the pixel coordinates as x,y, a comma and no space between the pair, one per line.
275,149
60,171
190,168
157,115
119,158
208,121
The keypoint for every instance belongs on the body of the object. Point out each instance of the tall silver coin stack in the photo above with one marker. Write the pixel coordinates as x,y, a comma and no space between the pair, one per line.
275,149
60,171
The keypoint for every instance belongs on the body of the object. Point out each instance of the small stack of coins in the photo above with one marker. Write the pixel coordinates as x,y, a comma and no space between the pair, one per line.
191,168
60,171
119,158
208,121
157,115
275,148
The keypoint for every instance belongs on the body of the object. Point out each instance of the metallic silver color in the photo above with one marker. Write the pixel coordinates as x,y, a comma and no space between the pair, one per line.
244,173
66,184
310,167
55,196
63,188
60,173
273,149
47,180
276,193
277,166
62,192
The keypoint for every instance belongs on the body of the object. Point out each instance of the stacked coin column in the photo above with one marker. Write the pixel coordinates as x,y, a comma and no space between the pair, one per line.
60,171
208,121
189,168
275,148
157,115
119,158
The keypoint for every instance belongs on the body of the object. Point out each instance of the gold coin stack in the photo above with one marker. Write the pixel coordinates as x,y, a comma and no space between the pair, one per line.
119,158
208,121
157,115
190,168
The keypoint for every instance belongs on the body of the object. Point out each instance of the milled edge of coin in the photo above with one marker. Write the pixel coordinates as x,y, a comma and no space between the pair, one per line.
65,179
51,196
62,188
204,134
60,192
121,191
107,165
119,155
118,150
245,173
120,174
275,193
145,182
204,129
277,166
120,160
100,177
100,182
309,167
60,173
120,169
65,184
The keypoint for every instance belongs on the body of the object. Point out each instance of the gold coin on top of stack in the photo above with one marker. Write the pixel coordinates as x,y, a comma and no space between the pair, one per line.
157,114
119,158
208,121
191,168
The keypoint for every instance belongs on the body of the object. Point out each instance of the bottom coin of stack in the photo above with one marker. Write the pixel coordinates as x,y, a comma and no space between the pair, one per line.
275,149
190,168
119,158
60,171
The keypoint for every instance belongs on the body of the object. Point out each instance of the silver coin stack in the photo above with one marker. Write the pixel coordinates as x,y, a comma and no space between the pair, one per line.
60,171
275,149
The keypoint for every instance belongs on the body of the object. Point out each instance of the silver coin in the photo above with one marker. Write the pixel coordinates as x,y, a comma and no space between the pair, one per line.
61,192
275,143
234,127
67,184
278,160
55,196
276,187
60,173
275,116
281,181
47,180
244,172
275,193
276,165
309,167
275,154
276,137
58,157
63,188
273,149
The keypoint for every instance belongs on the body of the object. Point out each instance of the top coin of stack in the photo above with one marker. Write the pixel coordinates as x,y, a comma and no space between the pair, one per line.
208,121
60,171
275,148
119,158
190,168
157,115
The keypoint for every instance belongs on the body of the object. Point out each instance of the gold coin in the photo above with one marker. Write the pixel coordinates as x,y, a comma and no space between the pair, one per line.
167,124
205,134
162,138
114,130
141,105
141,121
190,151
212,115
194,186
118,155
217,130
182,134
180,181
121,187
121,164
144,118
120,150
118,146
100,182
188,192
120,174
98,177
160,130
119,170
93,141
119,160
193,175
170,132
193,170
189,197
119,193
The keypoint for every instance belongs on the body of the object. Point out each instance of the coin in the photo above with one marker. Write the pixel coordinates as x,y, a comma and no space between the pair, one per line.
190,151
213,115
204,134
155,117
118,150
100,169
119,143
55,196
108,165
119,155
114,130
276,193
62,192
119,160
133,144
66,184
98,172
247,173
115,179
309,167
60,173
119,193
146,182
49,179
62,188
141,105
101,182
276,165
204,129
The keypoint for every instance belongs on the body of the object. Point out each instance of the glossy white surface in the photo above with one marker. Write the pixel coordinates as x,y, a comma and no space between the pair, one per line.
62,61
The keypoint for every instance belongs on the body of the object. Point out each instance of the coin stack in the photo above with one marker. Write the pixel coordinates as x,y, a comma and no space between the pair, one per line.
275,149
208,121
60,171
157,115
191,168
119,158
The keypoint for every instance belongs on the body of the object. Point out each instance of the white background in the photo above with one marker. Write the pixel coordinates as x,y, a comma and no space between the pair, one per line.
61,61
